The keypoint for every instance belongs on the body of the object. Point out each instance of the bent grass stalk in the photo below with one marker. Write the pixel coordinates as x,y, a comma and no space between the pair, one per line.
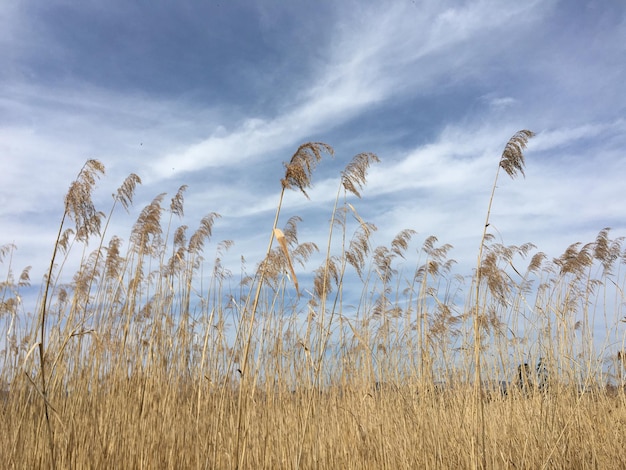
78,206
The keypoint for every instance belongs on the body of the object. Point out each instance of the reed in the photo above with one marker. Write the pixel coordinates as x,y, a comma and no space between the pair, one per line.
146,356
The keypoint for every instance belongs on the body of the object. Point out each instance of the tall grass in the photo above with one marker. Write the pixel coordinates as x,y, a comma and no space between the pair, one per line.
146,358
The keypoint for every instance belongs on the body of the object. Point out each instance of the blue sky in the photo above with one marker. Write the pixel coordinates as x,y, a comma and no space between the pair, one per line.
217,94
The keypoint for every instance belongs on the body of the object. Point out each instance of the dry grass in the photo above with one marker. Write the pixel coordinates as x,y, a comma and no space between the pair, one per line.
143,422
132,362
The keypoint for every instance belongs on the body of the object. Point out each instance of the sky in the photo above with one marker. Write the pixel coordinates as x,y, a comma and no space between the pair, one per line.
218,94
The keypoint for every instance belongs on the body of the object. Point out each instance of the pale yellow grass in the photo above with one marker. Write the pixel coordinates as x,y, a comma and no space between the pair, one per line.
140,361
147,423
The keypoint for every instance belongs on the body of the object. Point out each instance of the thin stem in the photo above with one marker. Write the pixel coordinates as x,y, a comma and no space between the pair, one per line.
477,337
244,362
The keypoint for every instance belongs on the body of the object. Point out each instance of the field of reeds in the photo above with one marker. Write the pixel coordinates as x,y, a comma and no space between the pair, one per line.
147,357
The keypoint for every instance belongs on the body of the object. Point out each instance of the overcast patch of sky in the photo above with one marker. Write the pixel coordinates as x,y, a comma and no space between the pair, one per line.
218,95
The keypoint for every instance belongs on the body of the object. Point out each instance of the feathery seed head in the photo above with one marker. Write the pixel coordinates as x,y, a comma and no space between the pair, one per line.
300,168
126,192
354,176
512,160
78,202
176,206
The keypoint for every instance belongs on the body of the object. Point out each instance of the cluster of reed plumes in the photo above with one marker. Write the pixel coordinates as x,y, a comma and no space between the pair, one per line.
146,360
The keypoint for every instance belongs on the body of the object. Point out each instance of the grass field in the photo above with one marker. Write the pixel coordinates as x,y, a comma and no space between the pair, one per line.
143,360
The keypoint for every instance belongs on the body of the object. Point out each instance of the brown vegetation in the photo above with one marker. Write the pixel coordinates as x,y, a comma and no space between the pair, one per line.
135,363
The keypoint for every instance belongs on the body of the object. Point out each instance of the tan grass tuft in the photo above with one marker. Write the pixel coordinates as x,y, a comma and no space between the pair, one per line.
354,176
323,275
536,262
360,247
114,261
6,249
575,261
180,236
290,231
147,231
24,279
496,279
401,242
512,161
177,204
383,258
607,251
126,191
203,233
300,168
78,201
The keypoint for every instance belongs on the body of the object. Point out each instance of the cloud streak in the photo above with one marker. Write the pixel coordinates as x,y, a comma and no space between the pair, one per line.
377,55
435,89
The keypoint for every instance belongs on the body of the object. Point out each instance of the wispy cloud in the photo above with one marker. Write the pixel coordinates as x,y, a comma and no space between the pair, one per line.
435,88
379,53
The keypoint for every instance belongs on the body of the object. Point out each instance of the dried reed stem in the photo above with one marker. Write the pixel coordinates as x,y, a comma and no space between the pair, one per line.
297,175
512,162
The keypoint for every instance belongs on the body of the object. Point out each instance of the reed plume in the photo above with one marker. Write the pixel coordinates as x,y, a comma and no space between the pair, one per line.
513,163
298,173
353,179
79,208
300,168
351,379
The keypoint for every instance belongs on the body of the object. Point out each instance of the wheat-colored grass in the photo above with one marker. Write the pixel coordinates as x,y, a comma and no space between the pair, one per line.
134,361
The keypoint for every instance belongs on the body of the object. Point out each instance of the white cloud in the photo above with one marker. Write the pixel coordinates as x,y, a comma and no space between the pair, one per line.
376,54
502,103
481,62
553,139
